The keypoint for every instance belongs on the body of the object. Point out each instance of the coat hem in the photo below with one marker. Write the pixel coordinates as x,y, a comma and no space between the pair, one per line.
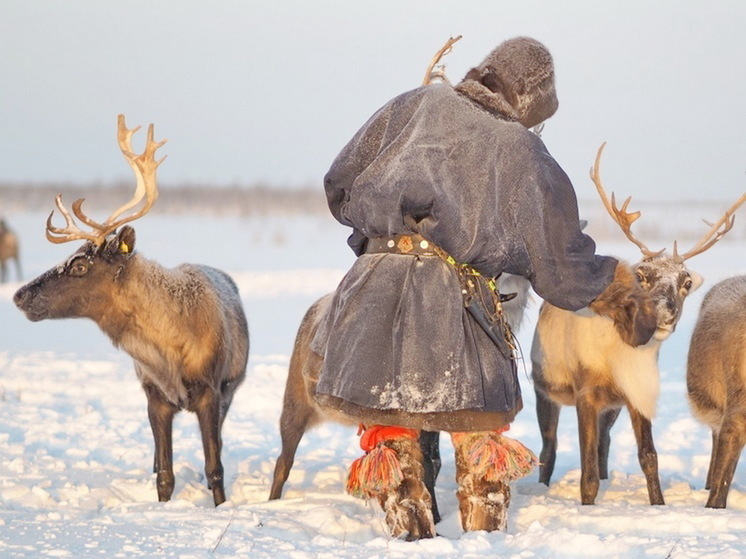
457,420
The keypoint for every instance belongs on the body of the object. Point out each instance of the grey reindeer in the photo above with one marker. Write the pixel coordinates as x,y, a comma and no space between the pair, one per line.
9,250
716,380
580,360
184,327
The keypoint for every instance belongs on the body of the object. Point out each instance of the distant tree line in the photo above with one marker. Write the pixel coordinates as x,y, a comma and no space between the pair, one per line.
179,199
681,219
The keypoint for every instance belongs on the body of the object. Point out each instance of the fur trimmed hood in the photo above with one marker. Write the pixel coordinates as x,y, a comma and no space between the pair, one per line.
516,81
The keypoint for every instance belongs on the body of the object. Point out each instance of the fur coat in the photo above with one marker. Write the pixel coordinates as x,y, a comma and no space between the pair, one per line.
398,346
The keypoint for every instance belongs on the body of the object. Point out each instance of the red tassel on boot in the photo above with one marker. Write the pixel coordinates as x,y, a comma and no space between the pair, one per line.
379,469
494,457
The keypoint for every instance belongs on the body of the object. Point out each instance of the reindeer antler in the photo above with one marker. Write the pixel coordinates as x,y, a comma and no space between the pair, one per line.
143,165
621,216
69,233
716,232
430,73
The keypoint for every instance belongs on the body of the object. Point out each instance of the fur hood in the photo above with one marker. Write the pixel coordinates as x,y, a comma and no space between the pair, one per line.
515,81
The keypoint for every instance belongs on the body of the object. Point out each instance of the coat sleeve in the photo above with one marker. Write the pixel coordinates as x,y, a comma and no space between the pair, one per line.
354,158
553,253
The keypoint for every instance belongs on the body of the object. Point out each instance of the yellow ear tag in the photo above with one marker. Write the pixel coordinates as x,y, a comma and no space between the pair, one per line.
124,248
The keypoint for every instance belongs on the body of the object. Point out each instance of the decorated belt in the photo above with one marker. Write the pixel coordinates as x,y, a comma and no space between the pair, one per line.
413,244
480,294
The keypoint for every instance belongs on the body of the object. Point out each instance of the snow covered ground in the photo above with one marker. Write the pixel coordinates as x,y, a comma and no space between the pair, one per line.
76,447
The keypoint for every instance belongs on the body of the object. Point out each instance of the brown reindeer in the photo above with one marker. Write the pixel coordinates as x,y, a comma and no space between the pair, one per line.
716,380
580,360
8,251
184,327
300,412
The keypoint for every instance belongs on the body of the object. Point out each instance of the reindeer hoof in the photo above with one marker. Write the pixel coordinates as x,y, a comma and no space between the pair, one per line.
218,495
165,482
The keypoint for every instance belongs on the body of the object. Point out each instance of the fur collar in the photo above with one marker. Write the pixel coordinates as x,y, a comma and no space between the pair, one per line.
493,102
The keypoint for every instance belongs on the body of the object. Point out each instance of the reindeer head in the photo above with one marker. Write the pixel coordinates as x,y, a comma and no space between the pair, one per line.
669,283
664,276
82,285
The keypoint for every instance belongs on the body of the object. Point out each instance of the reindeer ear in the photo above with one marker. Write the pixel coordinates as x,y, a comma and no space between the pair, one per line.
126,240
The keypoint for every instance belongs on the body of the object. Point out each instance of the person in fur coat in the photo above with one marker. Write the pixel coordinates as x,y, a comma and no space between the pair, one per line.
446,188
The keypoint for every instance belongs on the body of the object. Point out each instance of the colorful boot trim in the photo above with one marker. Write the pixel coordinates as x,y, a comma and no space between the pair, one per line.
379,470
494,457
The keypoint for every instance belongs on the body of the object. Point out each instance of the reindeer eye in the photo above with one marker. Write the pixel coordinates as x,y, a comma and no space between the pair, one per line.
79,268
688,284
640,277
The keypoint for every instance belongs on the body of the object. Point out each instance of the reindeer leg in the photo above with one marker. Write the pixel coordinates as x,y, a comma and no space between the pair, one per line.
299,412
208,409
647,455
547,412
606,422
294,421
730,443
588,432
227,390
430,446
161,415
713,460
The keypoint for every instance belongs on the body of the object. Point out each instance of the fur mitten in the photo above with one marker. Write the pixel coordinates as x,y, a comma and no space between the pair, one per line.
626,303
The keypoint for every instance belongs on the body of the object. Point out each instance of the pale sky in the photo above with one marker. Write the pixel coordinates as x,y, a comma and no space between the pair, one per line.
269,91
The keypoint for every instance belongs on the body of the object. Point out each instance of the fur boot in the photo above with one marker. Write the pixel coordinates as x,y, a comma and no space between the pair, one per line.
486,462
391,472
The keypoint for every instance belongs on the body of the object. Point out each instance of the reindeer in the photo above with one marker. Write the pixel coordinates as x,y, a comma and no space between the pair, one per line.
580,359
300,412
8,251
716,380
184,327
